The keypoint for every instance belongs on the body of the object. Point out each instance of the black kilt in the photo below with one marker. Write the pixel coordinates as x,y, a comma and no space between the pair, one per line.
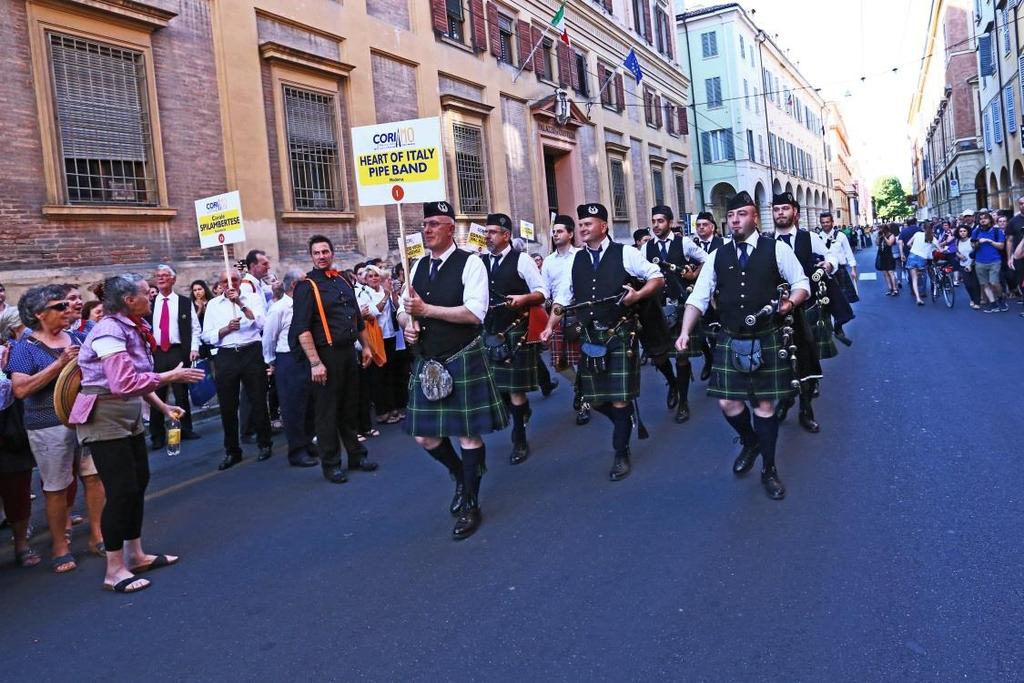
845,282
519,374
473,408
564,354
621,379
772,382
821,330
838,306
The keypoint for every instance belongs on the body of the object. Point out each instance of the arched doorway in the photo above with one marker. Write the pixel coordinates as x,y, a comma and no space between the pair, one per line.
776,187
1018,181
720,196
981,190
993,191
764,205
1004,188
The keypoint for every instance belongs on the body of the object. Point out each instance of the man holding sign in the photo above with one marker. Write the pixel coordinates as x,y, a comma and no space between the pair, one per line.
452,392
516,286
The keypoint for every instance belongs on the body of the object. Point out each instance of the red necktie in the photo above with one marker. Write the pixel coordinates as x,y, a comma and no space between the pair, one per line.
165,327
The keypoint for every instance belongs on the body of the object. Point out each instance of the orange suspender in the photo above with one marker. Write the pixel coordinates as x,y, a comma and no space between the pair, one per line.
320,308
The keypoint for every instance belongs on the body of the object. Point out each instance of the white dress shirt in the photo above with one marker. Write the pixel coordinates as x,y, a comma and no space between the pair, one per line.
265,291
632,260
705,245
526,267
475,284
818,245
172,313
707,282
840,246
275,329
557,270
220,311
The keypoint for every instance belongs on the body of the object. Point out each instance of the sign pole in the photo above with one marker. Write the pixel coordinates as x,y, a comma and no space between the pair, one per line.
227,274
403,246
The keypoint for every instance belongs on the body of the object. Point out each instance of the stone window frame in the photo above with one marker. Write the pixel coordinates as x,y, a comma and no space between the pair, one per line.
129,28
616,156
304,71
462,111
678,172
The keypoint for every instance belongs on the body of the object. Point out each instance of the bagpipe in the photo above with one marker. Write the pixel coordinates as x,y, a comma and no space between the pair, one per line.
497,344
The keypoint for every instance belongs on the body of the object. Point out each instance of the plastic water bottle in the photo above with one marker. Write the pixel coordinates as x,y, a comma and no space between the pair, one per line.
174,438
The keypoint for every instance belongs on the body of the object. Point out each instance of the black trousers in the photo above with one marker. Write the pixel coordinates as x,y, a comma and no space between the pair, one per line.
123,466
368,378
236,368
162,362
293,386
390,383
336,405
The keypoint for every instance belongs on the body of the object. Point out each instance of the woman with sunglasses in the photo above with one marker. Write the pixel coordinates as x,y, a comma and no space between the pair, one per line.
34,365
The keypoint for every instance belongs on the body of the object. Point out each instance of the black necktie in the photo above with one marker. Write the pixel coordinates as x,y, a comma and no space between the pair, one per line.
494,261
743,254
595,256
664,249
705,245
786,239
435,263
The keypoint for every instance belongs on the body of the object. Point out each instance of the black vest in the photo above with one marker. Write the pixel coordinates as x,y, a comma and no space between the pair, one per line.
673,280
590,285
745,292
505,281
802,247
716,242
439,338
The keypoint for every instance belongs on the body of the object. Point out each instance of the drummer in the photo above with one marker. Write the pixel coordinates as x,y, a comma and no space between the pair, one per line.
813,254
680,260
516,285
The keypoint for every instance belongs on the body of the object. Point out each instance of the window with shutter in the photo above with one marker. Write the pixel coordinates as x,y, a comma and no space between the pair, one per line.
523,34
997,121
743,49
746,93
620,93
684,122
1020,75
580,82
493,34
470,169
680,183
670,118
658,184
709,44
750,145
657,111
506,40
646,7
607,98
985,61
564,64
439,15
456,20
1006,31
479,24
617,175
1011,110
103,124
705,146
310,120
713,92
760,148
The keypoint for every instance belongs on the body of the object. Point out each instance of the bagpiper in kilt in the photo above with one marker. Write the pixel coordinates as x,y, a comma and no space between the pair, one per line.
515,285
557,270
812,330
708,239
600,294
680,261
451,388
758,282
842,289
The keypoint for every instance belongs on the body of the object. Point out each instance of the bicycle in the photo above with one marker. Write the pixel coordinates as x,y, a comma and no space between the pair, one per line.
940,274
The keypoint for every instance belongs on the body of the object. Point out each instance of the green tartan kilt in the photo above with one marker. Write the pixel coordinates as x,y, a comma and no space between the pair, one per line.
771,382
695,349
519,374
621,379
473,408
821,329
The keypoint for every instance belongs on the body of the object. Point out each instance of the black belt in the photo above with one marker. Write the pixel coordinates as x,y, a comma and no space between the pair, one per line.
239,349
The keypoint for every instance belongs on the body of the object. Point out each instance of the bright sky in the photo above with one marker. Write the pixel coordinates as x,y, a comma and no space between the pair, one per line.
837,42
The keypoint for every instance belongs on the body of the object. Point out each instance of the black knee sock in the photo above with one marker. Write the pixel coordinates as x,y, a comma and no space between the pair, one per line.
605,409
683,380
806,396
474,464
519,420
665,368
622,428
445,454
741,423
767,429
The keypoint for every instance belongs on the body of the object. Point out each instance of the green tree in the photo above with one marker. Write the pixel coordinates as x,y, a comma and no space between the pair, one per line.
890,200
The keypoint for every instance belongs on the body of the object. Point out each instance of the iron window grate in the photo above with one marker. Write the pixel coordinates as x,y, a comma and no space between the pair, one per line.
469,168
103,123
618,174
312,150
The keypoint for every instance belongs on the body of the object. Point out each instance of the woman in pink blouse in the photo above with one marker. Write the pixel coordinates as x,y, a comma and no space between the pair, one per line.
117,375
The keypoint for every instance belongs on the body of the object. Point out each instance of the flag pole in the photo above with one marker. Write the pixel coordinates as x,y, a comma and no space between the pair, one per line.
530,57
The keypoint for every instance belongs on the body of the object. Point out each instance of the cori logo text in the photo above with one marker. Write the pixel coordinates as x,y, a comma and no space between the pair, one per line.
396,138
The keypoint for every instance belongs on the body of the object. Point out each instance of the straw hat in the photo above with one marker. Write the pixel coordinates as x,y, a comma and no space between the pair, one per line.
69,383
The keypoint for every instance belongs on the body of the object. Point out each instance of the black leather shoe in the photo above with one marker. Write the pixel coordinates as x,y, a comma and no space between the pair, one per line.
772,484
335,474
745,460
808,423
265,453
546,390
304,460
468,520
620,468
229,461
582,416
362,465
458,499
705,372
190,436
683,413
157,445
843,338
672,400
520,452
782,409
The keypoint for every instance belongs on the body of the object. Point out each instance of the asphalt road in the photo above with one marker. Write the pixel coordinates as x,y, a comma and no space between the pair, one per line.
897,554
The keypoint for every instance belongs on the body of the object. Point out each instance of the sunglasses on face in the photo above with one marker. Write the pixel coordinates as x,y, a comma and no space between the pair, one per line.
59,306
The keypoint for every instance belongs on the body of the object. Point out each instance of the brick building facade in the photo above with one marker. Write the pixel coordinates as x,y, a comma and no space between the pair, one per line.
120,113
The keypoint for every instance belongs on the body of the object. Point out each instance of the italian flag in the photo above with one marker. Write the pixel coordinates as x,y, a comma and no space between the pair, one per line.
558,23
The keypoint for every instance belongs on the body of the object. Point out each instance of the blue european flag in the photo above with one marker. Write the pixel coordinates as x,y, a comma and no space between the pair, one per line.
633,64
